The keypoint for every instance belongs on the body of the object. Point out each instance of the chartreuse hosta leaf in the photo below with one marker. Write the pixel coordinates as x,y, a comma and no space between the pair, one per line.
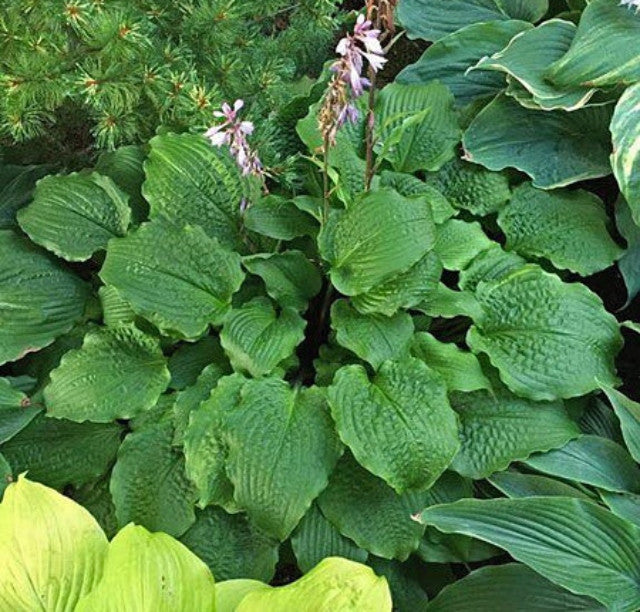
514,587
574,543
418,127
100,382
527,58
16,411
372,337
554,148
53,551
334,584
399,425
567,227
189,181
256,338
591,460
602,23
625,129
75,215
549,339
39,299
369,512
497,428
361,243
178,278
628,412
459,242
230,593
151,571
459,369
448,60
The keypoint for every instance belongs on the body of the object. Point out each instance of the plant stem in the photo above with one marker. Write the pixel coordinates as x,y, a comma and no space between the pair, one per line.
325,180
370,121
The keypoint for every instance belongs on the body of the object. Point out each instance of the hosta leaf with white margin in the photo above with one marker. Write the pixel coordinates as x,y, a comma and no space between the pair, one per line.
527,57
514,587
569,228
150,571
279,218
629,263
574,543
603,24
515,484
58,453
281,449
399,425
75,215
115,309
372,337
406,290
189,181
361,243
458,242
231,546
433,19
189,360
592,460
256,338
53,551
39,299
459,369
554,148
625,129
628,412
148,483
625,505
117,374
448,60
315,539
16,411
498,428
334,584
471,187
290,278
491,264
16,188
547,338
421,123
178,278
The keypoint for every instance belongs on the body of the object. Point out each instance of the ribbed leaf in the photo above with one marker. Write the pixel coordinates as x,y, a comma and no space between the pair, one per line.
16,188
189,360
491,264
115,309
628,412
629,263
279,218
16,411
625,505
459,242
179,279
514,484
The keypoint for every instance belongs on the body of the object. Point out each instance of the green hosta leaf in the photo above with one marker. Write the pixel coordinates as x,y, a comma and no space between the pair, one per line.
512,587
362,246
151,571
149,485
279,218
596,418
527,58
337,584
115,309
421,123
592,460
459,369
448,60
471,187
406,290
497,428
39,299
100,382
189,181
407,593
438,547
514,484
316,538
16,188
374,338
602,23
567,227
231,546
448,303
626,146
75,215
96,498
400,425
256,338
574,543
555,148
629,263
16,411
624,505
628,412
369,512
179,279
189,360
491,264
52,549
291,279
458,242
549,339
282,448
6,475
58,452
531,10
